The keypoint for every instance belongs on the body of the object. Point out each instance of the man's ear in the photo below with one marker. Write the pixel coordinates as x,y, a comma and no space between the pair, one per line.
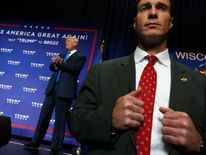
75,44
134,26
171,23
134,23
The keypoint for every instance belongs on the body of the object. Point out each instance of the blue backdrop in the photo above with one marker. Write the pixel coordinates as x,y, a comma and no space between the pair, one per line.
193,59
26,49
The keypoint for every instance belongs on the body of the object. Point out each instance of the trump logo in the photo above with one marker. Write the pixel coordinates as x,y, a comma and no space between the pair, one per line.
21,117
12,101
36,65
36,104
6,50
15,63
5,87
51,54
21,76
44,78
2,73
27,52
52,121
29,90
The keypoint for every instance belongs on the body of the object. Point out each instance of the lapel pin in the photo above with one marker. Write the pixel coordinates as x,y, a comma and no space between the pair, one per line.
184,80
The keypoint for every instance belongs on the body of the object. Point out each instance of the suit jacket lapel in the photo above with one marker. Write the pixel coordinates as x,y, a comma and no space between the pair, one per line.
179,83
71,56
126,76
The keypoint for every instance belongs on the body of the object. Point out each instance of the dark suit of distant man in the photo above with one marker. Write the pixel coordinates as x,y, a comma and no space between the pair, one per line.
61,90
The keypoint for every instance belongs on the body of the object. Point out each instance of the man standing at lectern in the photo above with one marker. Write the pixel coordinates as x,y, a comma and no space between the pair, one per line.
60,92
145,103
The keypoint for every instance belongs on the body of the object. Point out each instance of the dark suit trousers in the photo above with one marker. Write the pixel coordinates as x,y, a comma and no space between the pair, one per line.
62,106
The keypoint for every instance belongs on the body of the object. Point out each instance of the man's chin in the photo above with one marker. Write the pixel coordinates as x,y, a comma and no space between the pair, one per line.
153,33
153,40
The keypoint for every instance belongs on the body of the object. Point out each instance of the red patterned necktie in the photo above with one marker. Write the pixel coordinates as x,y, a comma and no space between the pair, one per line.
148,84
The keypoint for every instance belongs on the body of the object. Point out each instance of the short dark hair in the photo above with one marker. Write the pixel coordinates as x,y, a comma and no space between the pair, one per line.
171,7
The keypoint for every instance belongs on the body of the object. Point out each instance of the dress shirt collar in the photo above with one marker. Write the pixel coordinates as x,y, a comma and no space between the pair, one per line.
72,52
163,57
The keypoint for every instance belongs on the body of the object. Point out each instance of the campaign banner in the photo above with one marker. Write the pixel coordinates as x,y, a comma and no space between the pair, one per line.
195,60
26,49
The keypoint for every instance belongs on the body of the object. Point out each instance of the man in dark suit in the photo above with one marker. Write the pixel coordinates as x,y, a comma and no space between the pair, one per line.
60,92
109,111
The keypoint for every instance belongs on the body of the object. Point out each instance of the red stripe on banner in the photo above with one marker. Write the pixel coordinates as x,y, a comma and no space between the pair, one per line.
75,29
23,127
92,52
10,25
33,129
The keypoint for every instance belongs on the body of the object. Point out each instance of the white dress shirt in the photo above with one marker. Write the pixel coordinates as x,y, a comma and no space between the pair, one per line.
163,69
72,52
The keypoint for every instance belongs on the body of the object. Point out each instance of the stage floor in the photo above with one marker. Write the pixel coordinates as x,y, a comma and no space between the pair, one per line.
16,147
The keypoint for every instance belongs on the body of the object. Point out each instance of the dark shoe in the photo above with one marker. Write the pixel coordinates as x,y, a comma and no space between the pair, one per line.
32,145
